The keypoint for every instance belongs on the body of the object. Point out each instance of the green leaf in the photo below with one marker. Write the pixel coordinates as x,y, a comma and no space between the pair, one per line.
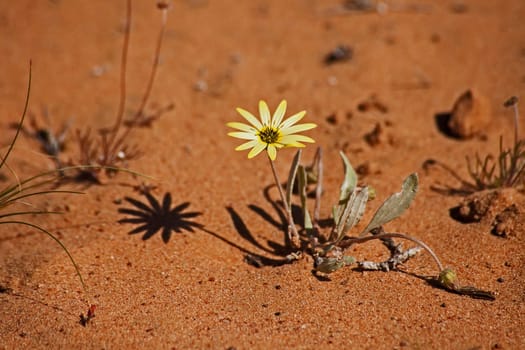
395,205
291,178
301,184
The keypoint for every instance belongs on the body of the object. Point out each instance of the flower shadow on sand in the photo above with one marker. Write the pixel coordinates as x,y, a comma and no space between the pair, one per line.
153,217
280,250
251,258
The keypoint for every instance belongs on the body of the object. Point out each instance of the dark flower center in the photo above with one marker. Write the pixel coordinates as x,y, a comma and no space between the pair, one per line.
269,134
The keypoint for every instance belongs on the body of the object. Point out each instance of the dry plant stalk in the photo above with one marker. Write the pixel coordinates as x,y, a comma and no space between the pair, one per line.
108,149
508,170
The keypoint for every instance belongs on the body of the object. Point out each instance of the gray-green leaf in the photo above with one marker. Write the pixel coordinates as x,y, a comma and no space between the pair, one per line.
291,178
301,184
353,211
347,187
329,265
395,205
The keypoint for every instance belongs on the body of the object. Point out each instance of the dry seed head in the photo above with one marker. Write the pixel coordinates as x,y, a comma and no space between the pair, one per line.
163,5
513,100
448,278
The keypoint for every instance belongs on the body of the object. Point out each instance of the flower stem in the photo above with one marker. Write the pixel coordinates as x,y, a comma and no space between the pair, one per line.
293,235
516,123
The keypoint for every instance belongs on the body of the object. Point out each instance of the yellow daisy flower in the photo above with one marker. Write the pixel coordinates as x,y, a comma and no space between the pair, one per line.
270,133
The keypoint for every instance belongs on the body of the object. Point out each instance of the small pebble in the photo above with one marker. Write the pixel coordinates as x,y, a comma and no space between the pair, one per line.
470,115
341,53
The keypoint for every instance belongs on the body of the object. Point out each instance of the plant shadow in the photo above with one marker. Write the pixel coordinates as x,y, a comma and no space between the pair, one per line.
251,258
8,291
279,221
153,216
465,187
463,291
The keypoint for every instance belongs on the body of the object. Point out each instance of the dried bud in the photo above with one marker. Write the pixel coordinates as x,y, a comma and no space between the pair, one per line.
329,265
163,4
448,278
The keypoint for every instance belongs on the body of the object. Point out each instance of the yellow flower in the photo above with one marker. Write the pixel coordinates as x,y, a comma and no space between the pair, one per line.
270,133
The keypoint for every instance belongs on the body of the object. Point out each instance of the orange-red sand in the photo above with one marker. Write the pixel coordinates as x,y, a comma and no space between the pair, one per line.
196,290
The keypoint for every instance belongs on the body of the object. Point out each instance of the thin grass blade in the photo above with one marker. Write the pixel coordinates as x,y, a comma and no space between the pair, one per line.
41,229
19,128
34,212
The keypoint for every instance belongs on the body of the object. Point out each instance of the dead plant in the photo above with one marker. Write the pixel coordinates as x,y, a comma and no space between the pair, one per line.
108,150
508,170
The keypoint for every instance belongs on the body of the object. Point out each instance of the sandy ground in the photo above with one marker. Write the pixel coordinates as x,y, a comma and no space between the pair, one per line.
194,289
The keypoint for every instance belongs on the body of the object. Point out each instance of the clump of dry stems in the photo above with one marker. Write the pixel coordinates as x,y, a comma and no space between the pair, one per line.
508,170
108,150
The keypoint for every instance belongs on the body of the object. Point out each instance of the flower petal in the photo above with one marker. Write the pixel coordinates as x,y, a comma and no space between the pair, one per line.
247,145
290,139
243,135
295,144
250,118
297,128
279,114
292,120
241,126
264,112
258,148
272,152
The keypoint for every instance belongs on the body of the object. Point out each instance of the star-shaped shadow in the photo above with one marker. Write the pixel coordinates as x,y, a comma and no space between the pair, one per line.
156,217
